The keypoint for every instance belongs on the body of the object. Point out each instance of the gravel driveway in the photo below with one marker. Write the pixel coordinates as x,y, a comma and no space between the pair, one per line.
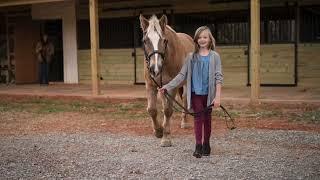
240,154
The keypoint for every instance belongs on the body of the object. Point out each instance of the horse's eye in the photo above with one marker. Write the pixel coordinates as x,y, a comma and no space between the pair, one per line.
145,41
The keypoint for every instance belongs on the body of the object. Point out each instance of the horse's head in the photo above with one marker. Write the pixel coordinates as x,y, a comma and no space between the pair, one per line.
154,42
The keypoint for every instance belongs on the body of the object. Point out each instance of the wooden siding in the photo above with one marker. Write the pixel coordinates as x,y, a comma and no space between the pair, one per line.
140,65
116,66
309,65
234,65
277,64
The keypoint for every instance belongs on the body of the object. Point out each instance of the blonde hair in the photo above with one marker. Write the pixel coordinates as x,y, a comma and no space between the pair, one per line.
212,44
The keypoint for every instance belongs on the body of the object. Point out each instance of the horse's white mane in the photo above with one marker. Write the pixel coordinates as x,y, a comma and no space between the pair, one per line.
154,25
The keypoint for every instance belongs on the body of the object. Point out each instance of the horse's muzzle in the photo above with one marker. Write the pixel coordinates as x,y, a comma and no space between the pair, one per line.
155,71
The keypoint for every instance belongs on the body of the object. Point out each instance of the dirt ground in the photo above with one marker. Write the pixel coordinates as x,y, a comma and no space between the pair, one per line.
73,137
21,115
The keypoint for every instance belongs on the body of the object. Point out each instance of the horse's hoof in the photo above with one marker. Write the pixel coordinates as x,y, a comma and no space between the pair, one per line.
166,143
158,133
185,125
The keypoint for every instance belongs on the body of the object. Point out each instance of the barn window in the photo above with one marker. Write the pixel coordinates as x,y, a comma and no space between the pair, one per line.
232,33
113,33
279,31
278,25
116,33
227,27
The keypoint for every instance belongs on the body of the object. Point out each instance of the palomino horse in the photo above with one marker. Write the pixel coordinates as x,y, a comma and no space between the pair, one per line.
165,53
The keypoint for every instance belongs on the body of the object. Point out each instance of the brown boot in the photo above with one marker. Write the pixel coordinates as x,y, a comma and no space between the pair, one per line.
198,151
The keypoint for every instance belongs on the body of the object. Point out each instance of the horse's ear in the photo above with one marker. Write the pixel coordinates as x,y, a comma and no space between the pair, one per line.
144,23
163,22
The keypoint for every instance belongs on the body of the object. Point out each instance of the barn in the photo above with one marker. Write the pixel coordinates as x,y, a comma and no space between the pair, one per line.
288,43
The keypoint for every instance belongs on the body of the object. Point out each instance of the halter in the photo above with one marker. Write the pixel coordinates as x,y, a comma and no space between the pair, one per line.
148,56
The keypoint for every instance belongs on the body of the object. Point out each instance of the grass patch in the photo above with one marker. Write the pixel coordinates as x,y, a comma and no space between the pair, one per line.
249,113
45,106
12,107
135,110
130,110
124,110
309,116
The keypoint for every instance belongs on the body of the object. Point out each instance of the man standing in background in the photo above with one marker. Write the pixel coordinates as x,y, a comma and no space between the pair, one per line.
45,51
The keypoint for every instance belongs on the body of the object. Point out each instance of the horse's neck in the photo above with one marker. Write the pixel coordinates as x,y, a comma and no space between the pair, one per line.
173,39
173,64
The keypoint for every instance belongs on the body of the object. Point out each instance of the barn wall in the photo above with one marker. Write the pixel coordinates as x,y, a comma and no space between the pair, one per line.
234,65
277,60
277,65
309,65
116,66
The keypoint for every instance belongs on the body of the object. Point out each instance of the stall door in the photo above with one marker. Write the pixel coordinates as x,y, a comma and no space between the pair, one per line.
138,54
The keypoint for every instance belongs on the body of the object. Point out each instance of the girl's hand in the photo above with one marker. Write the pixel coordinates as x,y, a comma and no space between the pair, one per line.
162,90
216,102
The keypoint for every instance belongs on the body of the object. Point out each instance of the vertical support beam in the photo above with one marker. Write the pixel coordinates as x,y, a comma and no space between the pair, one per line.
8,50
70,56
297,41
135,45
255,50
94,36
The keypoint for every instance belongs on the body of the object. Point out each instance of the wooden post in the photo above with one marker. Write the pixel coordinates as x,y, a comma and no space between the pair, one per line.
94,36
255,50
296,44
8,50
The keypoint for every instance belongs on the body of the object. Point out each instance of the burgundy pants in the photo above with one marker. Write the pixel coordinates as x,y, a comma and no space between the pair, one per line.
202,121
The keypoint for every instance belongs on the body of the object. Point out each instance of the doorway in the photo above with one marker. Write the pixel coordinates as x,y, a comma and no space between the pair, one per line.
53,28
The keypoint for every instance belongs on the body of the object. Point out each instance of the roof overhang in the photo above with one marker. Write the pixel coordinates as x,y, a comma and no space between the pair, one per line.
4,3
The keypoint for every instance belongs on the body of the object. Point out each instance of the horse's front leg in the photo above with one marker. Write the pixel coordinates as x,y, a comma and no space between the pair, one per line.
152,110
184,120
168,111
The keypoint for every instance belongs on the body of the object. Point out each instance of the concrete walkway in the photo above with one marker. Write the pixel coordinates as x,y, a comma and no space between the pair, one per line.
268,94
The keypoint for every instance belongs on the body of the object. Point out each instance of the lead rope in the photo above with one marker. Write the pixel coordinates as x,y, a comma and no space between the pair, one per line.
229,123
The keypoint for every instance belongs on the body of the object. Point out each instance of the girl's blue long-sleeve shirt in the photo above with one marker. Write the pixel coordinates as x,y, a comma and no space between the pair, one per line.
200,75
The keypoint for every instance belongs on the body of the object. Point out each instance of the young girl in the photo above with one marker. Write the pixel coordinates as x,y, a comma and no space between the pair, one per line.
202,70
